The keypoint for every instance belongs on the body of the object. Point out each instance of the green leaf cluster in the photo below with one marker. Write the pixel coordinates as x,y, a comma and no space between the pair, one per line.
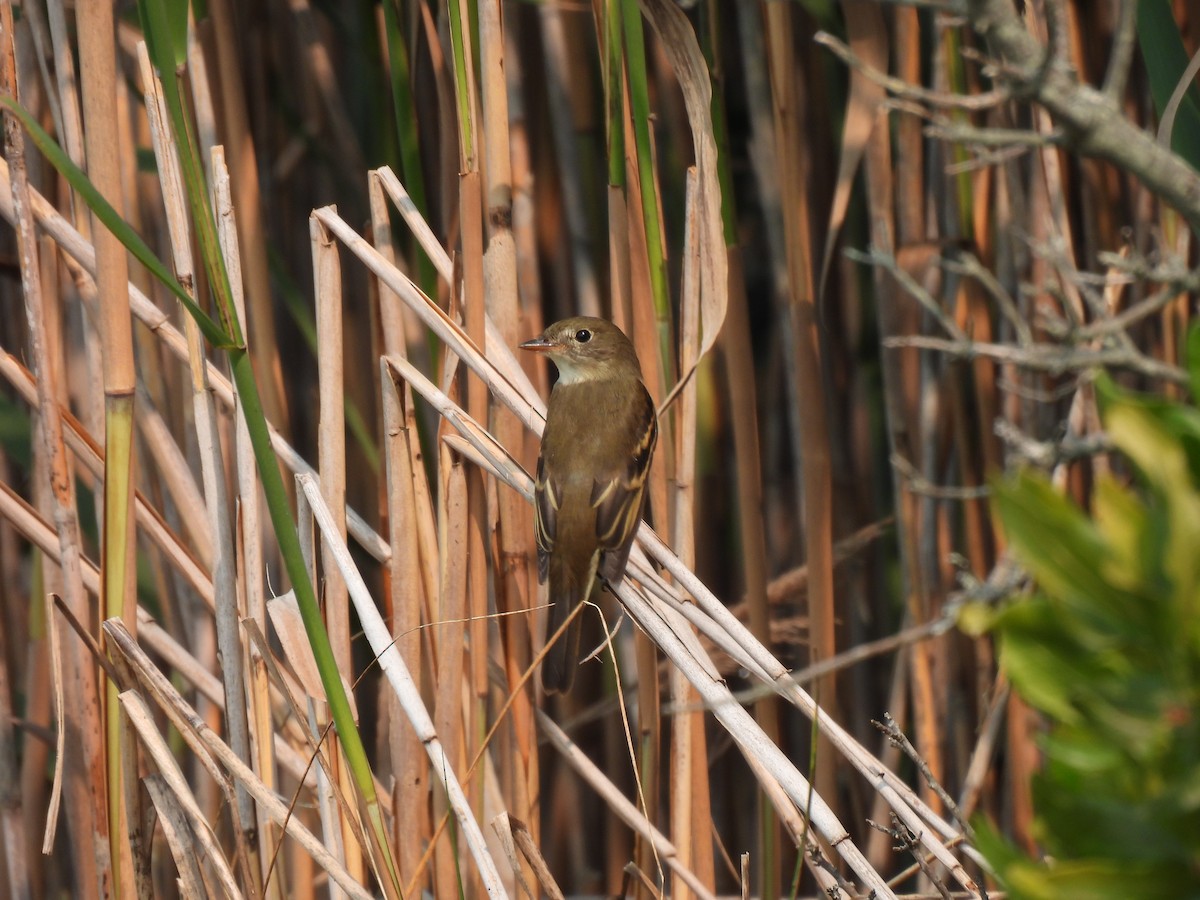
1108,649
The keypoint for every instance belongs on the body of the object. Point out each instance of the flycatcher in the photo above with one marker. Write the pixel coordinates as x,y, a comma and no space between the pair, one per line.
601,427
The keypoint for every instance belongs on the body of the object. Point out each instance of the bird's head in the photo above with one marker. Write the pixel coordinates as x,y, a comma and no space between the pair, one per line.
585,348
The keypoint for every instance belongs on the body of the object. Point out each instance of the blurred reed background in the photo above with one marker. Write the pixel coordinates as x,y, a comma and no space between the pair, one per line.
695,172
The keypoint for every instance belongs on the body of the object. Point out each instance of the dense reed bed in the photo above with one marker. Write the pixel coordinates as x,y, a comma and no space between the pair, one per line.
871,255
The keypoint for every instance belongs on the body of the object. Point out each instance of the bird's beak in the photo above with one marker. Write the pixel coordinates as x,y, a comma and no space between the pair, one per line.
539,345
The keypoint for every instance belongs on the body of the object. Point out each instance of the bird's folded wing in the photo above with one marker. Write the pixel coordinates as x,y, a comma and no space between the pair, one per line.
547,500
617,499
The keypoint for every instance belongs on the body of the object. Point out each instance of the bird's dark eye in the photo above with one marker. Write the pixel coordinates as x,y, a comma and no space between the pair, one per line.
583,335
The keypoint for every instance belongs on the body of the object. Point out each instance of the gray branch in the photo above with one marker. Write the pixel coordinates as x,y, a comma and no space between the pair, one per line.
1090,119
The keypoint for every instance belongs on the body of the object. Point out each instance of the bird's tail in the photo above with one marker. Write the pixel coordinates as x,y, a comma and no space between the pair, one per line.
562,658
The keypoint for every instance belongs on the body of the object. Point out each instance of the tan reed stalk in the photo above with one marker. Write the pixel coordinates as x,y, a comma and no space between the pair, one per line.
248,546
468,298
515,835
82,765
40,690
178,834
409,765
642,328
409,590
203,415
689,813
808,390
157,640
331,449
253,701
88,453
451,625
515,566
219,520
102,143
391,312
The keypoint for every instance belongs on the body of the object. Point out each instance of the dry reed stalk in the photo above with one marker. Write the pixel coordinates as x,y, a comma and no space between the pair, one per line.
467,298
514,834
139,715
409,765
82,764
177,477
331,444
391,312
642,329
400,680
674,640
473,300
247,690
176,830
102,146
739,642
451,620
248,550
515,575
68,92
218,516
21,515
690,814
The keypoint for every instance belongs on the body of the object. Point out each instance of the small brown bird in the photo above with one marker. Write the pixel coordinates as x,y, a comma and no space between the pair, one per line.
601,427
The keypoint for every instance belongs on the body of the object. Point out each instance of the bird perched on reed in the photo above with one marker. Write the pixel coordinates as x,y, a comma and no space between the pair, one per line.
601,427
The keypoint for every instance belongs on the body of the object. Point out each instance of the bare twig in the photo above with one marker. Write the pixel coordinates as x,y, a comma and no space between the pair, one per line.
919,484
892,732
908,842
1054,359
900,88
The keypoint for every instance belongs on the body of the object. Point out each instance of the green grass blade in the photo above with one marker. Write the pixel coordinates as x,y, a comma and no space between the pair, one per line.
1166,59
